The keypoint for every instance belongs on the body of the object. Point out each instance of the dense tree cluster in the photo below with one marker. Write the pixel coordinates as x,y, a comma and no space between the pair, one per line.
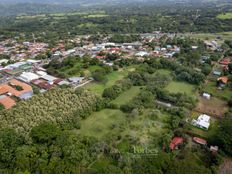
114,91
223,136
184,73
118,19
64,107
52,150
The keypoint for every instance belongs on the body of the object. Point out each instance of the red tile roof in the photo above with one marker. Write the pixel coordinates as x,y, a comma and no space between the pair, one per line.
223,79
6,88
199,140
226,61
175,142
7,102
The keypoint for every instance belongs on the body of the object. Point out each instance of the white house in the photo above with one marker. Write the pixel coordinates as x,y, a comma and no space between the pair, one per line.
142,54
202,122
28,77
206,96
76,79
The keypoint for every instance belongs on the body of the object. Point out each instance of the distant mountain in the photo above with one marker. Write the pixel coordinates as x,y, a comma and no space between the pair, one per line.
107,1
18,7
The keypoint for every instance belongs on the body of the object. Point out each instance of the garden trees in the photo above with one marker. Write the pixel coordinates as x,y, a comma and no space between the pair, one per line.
115,90
9,142
52,151
2,107
230,67
186,166
224,134
152,163
99,75
44,133
64,107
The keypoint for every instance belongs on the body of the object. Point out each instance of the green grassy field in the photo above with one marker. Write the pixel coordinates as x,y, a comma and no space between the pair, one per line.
212,89
96,16
163,72
204,36
182,87
127,96
112,78
103,123
206,133
225,16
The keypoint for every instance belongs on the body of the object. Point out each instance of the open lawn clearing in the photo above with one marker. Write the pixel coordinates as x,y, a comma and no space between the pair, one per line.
163,72
88,24
112,78
96,16
91,69
227,33
204,36
142,128
110,123
212,89
127,96
213,107
100,164
103,123
31,16
225,16
181,87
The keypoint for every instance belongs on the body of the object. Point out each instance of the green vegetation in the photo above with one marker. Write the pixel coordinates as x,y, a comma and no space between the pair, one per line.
225,16
111,78
126,96
60,106
73,66
2,107
182,87
147,18
212,88
102,123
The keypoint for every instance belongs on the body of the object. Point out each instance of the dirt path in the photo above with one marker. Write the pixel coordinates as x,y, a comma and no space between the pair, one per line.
226,166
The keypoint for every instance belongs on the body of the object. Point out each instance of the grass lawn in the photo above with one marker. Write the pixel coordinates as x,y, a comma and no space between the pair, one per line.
103,123
127,96
203,36
182,87
163,72
96,16
206,133
112,78
211,88
225,16
91,69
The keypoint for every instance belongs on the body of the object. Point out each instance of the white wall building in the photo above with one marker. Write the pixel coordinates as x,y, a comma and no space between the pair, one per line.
206,96
202,122
28,77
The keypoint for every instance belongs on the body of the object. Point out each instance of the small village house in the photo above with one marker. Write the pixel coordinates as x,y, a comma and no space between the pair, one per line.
203,122
206,96
176,141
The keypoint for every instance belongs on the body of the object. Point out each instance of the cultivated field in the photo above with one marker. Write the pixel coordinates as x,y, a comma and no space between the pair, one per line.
213,107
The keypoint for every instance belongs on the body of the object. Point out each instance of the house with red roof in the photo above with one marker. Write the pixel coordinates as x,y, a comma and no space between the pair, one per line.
199,140
176,141
226,61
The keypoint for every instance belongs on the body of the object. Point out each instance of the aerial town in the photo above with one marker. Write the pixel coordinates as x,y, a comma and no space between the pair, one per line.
116,87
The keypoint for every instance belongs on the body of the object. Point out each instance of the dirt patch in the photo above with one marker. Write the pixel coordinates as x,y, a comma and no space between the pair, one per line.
213,107
226,166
